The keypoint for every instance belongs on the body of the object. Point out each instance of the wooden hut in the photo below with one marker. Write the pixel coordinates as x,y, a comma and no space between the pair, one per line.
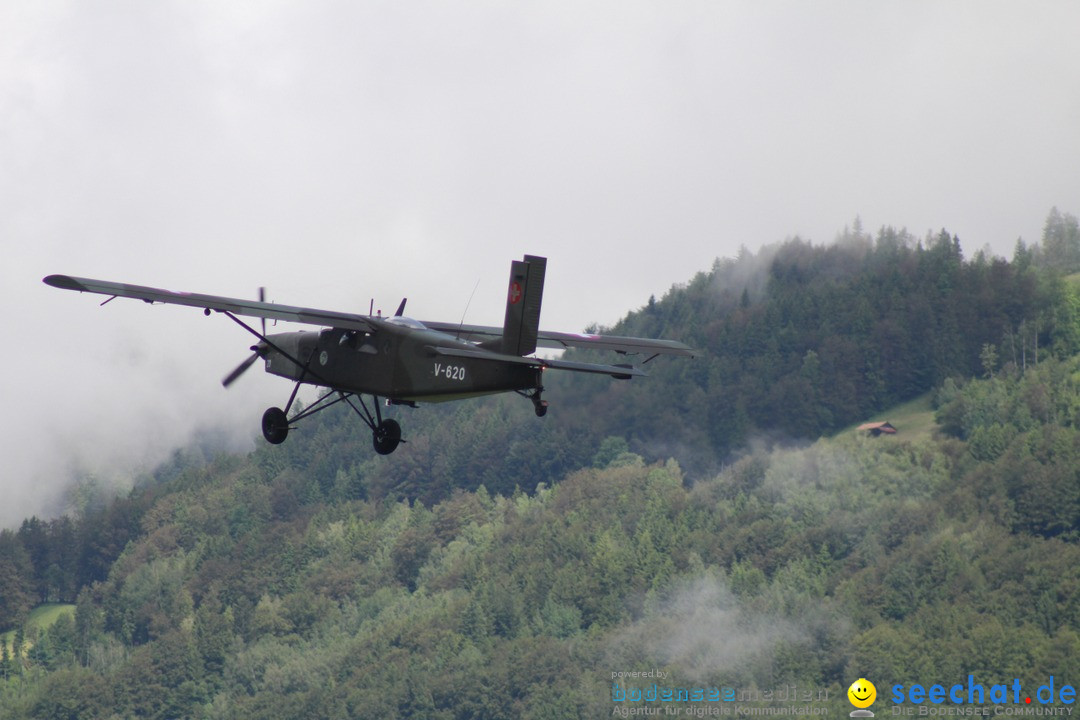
875,429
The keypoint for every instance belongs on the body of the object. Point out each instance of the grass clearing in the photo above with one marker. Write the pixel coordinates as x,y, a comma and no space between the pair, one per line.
913,420
41,617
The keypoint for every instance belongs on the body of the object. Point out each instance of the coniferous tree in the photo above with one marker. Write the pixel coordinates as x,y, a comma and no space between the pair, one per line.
1061,242
16,578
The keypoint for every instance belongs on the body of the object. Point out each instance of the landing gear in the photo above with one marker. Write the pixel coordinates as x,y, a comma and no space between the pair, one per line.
275,425
386,436
540,406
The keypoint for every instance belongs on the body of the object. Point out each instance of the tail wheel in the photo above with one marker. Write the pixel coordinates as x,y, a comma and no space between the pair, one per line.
387,436
539,404
275,425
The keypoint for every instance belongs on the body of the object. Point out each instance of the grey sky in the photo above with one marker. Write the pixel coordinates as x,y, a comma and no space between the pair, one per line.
342,151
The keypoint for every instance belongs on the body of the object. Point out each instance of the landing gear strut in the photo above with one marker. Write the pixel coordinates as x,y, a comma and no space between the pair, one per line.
385,434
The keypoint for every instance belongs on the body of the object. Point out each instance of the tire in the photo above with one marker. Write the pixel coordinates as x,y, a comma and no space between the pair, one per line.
387,436
275,426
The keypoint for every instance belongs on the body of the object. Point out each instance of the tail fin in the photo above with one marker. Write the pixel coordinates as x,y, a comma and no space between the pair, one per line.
523,299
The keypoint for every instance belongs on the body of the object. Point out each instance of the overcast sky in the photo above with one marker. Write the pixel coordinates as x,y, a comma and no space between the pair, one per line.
342,151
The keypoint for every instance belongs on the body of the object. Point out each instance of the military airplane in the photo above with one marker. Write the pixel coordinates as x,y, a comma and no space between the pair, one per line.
402,360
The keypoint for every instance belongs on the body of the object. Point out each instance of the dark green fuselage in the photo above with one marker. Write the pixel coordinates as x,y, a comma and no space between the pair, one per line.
397,361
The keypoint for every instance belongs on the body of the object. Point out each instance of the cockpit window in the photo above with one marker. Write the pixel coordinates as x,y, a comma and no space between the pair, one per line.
406,322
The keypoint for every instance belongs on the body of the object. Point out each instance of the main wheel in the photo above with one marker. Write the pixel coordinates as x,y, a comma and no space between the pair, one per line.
387,436
275,426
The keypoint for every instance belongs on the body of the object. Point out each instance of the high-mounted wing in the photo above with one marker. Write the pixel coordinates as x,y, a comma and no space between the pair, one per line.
236,306
562,340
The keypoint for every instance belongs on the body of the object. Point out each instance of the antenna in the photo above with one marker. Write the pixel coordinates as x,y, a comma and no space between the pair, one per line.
462,323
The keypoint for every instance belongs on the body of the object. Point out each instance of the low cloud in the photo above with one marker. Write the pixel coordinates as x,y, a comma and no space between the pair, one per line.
703,633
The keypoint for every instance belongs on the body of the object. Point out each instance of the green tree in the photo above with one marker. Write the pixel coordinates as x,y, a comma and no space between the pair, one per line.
16,576
18,643
71,694
989,359
1061,242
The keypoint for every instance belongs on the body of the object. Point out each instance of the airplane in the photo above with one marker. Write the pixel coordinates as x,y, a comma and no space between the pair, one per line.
402,360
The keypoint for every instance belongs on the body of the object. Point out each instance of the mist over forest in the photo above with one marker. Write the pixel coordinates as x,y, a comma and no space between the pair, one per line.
720,520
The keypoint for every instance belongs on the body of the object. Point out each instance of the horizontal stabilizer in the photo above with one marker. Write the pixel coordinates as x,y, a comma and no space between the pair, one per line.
563,340
622,372
618,371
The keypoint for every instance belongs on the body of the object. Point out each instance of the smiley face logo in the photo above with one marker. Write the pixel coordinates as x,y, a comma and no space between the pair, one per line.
862,693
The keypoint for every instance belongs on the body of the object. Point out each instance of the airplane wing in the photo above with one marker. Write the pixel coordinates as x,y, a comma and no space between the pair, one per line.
562,340
252,308
351,321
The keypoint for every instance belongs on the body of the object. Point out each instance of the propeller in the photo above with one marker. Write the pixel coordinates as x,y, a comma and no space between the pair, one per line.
258,352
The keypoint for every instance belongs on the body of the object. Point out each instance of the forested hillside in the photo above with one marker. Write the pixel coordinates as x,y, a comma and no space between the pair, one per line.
798,340
500,565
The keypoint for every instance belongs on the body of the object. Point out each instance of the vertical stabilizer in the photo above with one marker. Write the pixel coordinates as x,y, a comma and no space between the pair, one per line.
523,298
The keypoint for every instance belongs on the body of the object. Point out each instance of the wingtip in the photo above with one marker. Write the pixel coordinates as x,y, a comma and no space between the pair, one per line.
64,282
681,350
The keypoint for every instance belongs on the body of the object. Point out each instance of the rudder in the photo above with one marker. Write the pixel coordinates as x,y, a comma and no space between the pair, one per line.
523,300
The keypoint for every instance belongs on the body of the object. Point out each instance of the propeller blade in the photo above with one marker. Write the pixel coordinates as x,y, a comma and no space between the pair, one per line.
262,298
240,370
